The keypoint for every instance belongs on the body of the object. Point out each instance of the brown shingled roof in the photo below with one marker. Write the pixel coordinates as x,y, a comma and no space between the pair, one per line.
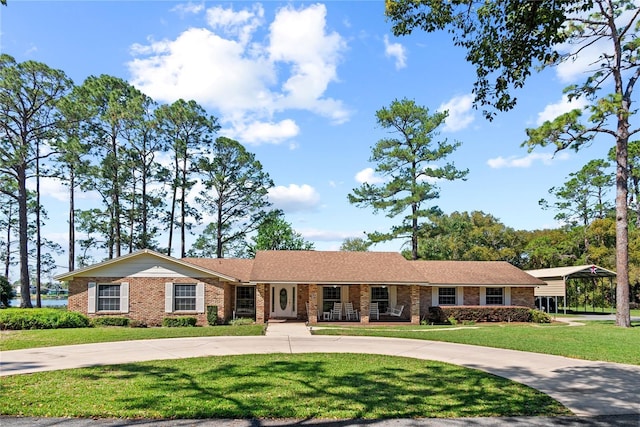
333,267
234,267
474,273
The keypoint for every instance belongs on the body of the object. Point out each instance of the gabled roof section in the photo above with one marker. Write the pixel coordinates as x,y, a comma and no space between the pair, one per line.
330,267
576,272
234,267
483,273
141,255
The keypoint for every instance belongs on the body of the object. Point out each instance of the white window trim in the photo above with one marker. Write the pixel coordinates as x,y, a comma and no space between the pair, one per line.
435,296
506,295
169,298
92,297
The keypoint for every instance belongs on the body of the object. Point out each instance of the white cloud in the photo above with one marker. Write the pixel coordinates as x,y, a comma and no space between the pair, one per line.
294,198
240,24
460,110
552,111
299,38
368,175
526,161
396,51
264,132
324,235
55,189
227,67
188,8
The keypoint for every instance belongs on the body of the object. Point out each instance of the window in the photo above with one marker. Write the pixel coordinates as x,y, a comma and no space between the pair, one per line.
184,297
108,297
380,294
495,296
330,294
245,301
446,296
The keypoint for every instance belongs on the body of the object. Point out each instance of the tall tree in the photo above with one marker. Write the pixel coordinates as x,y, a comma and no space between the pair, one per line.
188,132
276,234
506,39
470,236
235,191
145,203
355,244
407,162
583,197
112,105
29,95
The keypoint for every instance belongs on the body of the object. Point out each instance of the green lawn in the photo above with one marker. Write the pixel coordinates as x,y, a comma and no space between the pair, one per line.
333,386
597,340
16,340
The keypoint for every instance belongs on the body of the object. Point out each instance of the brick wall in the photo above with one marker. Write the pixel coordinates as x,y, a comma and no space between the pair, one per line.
471,296
523,297
403,294
147,298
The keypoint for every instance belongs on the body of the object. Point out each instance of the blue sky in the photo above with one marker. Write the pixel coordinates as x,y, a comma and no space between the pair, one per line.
299,84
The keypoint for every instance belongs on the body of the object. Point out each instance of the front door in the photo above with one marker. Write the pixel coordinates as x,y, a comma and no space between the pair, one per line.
283,301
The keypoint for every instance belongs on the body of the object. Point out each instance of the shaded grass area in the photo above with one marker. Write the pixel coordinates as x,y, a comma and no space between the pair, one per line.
17,340
335,386
597,340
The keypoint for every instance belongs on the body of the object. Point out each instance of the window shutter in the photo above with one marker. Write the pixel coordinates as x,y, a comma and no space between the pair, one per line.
168,297
393,296
200,297
124,297
459,295
483,296
507,295
435,301
91,293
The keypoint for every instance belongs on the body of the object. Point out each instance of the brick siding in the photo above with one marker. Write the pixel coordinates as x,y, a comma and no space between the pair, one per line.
523,297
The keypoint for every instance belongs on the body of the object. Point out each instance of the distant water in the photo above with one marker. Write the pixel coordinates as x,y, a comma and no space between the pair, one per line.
62,302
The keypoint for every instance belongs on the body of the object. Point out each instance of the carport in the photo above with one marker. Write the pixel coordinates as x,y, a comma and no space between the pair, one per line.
564,282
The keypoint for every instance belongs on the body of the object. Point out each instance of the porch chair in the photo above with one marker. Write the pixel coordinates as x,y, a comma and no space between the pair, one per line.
336,311
350,312
396,311
374,311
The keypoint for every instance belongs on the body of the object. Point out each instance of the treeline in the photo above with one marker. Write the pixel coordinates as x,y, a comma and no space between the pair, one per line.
143,160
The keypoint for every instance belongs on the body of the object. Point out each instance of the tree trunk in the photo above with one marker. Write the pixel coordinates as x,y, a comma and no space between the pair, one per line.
7,260
72,219
183,207
623,317
25,291
38,231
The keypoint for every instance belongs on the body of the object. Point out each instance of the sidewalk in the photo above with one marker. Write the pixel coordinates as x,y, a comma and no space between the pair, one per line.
587,388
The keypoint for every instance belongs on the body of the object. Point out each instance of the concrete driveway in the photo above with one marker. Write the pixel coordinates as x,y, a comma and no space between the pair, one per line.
587,388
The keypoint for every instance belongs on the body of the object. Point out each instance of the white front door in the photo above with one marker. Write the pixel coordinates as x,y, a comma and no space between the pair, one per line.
283,301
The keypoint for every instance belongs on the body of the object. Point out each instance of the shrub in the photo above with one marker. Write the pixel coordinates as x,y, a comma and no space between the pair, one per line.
137,324
212,315
241,321
178,322
7,293
110,321
538,316
442,314
41,318
452,320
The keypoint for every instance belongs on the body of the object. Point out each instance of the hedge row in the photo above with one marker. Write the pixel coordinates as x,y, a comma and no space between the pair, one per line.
484,314
177,322
41,318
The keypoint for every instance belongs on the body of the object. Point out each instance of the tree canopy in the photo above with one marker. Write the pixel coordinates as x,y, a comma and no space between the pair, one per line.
408,163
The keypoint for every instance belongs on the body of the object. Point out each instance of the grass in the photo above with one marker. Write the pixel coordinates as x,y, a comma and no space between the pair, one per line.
17,340
326,386
597,340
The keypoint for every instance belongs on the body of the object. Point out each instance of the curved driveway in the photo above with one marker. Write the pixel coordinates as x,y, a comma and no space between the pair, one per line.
585,387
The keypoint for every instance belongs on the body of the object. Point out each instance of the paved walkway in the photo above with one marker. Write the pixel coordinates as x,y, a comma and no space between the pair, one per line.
587,388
